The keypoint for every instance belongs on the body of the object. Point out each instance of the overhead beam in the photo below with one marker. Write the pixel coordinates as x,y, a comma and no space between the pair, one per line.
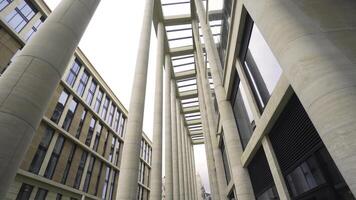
188,94
186,19
191,109
194,122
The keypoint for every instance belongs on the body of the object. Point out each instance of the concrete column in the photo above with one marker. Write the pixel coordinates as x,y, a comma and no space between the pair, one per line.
186,192
188,166
27,85
191,182
127,183
209,111
175,167
278,178
317,55
156,174
207,142
234,150
168,131
180,151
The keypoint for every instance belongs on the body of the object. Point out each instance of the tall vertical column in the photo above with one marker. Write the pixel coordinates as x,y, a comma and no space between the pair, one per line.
29,82
188,166
208,109
168,131
234,150
207,141
156,174
180,152
185,170
174,140
130,155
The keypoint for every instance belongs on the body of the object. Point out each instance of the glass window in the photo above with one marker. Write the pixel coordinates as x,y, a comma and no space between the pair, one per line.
79,130
98,179
106,182
21,15
91,92
60,106
261,66
225,162
70,114
117,156
41,151
73,73
111,155
69,163
83,83
112,186
90,132
105,108
121,126
111,114
59,197
89,173
106,142
34,28
269,194
305,177
54,157
41,194
4,3
25,192
79,175
97,137
116,120
99,98
242,112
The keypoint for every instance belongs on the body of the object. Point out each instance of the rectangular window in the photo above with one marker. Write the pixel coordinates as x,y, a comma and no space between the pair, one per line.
111,155
60,106
25,192
106,182
112,186
81,122
89,173
117,156
83,83
4,3
242,111
90,132
97,137
98,179
41,151
34,28
73,73
260,65
98,100
111,114
225,162
116,120
21,15
79,175
41,194
69,164
70,114
121,126
105,108
91,92
54,157
106,142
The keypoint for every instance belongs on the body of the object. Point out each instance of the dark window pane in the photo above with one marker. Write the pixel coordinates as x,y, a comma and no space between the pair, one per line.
60,106
25,192
41,151
54,157
99,98
90,132
79,175
73,73
91,92
22,14
79,130
82,83
69,163
97,137
41,194
70,114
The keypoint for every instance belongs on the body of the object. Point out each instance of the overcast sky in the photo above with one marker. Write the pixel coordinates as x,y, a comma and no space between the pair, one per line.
111,42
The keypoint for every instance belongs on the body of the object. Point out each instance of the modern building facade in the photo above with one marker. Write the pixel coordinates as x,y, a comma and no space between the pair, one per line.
266,85
77,148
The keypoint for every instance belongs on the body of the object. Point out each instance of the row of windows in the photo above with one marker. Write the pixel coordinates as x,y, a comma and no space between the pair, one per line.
145,151
95,130
22,14
143,174
83,158
95,98
142,193
41,194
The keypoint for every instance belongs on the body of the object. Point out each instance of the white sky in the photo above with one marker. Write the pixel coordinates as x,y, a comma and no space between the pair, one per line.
110,43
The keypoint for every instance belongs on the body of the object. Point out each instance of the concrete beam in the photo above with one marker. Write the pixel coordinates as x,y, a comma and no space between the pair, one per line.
191,109
188,94
186,19
194,122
